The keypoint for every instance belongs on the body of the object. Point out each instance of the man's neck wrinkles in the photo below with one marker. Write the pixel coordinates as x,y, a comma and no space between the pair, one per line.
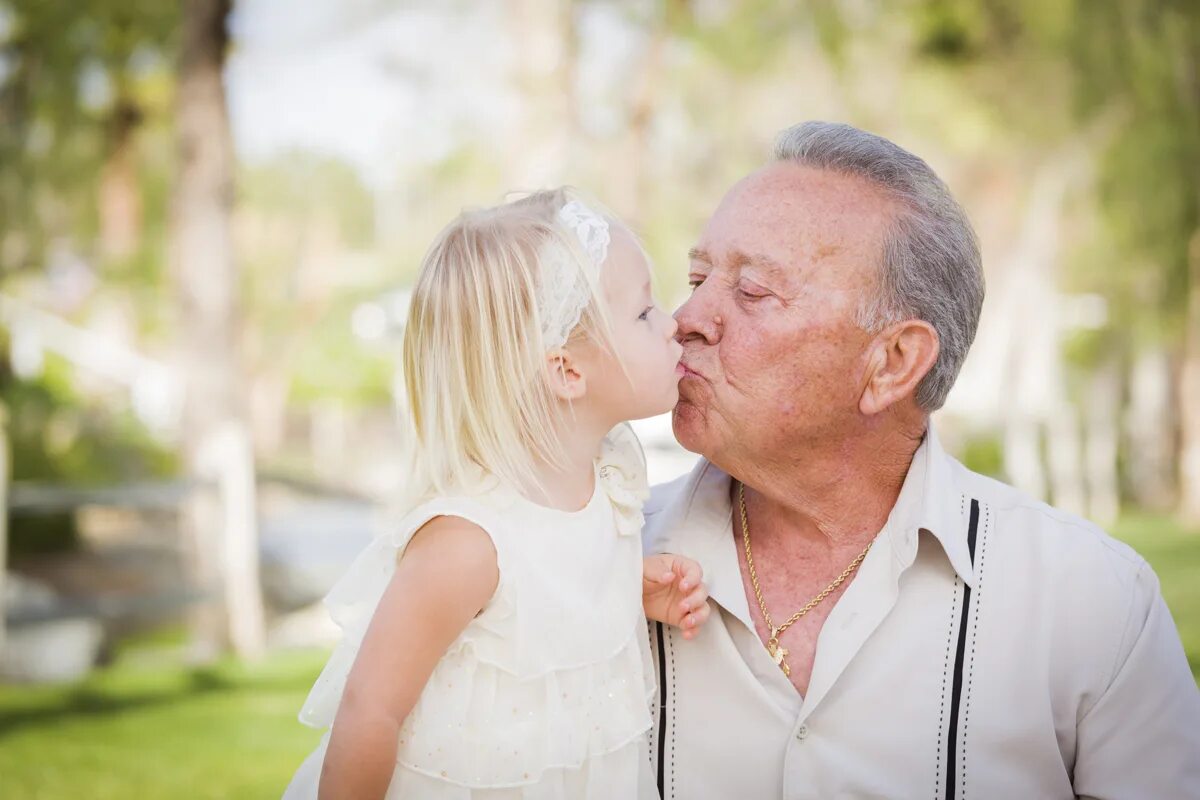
840,496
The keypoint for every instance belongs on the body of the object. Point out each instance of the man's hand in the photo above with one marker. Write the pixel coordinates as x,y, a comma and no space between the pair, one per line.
672,592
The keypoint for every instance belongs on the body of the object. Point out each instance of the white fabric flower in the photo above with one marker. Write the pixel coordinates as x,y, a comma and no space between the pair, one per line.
623,476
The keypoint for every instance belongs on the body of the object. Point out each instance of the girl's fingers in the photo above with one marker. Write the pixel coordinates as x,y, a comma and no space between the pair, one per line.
695,599
696,618
658,577
689,572
693,621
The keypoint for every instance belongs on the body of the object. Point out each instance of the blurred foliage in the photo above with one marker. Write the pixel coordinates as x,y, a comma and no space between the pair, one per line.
298,185
78,75
1132,71
304,217
983,453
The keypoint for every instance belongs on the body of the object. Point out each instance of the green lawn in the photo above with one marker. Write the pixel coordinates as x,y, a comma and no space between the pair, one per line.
135,732
1175,555
140,730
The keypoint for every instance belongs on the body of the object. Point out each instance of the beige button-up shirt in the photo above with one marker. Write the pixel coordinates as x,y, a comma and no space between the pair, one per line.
989,647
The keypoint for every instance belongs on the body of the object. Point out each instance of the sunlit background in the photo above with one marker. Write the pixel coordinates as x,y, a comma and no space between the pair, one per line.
208,231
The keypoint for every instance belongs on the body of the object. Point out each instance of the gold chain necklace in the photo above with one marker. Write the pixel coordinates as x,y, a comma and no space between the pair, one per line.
778,652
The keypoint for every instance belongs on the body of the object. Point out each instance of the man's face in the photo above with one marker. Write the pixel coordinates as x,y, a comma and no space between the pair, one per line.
773,355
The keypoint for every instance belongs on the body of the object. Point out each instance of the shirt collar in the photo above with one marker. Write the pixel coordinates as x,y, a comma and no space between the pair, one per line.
929,501
696,521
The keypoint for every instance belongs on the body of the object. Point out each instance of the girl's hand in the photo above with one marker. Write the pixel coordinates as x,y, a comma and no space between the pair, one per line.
672,592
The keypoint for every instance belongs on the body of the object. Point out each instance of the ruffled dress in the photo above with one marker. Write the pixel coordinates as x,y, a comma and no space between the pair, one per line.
547,692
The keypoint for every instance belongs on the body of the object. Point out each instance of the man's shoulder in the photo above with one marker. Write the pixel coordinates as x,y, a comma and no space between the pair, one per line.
1061,540
1094,591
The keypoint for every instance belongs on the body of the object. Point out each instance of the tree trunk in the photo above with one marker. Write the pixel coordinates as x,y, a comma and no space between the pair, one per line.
219,521
5,466
1102,408
634,175
543,32
1036,391
1189,394
1022,454
120,199
1064,454
1150,425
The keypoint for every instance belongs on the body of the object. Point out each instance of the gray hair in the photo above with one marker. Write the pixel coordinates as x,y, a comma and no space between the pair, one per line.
931,268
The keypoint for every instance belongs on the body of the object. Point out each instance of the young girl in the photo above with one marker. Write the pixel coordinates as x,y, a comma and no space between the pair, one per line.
495,642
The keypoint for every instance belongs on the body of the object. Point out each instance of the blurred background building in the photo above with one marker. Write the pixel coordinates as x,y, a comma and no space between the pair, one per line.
211,212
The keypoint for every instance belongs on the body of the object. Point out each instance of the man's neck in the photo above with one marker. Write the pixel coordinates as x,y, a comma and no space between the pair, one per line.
835,494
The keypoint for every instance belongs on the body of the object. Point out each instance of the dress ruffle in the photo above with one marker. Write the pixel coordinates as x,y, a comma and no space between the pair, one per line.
519,729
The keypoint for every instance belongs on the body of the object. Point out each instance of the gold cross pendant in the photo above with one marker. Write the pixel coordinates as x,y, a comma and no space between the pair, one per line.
778,653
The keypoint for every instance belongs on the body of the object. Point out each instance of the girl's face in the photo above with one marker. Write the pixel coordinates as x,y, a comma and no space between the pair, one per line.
645,382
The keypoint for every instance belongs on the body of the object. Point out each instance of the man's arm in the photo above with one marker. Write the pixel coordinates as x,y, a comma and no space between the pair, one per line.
1141,739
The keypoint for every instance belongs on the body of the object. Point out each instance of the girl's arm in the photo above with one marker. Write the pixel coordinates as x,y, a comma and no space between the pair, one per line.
446,575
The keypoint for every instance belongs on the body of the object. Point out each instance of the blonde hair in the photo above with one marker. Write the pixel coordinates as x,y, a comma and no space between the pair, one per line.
478,399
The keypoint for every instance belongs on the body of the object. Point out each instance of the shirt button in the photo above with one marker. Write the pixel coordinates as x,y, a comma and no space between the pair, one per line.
802,733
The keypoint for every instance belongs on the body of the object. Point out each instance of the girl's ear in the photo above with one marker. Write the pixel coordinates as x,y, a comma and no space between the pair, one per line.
565,374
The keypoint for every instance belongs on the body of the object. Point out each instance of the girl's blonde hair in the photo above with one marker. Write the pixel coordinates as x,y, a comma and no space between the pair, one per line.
478,399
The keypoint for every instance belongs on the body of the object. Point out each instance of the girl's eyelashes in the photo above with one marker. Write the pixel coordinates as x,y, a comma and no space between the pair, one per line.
645,314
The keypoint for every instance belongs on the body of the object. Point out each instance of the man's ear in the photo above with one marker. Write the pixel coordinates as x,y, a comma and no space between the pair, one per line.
565,374
900,357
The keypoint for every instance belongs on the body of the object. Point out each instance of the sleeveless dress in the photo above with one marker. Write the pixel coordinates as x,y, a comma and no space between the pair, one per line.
546,694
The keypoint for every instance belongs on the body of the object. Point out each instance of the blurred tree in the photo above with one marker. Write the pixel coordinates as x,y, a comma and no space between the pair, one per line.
305,233
81,84
1142,58
220,521
1118,80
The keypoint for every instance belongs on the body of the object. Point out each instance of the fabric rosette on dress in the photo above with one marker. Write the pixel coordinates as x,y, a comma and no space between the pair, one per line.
547,693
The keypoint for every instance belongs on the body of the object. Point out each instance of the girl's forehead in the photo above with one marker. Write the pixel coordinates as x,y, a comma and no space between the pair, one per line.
626,263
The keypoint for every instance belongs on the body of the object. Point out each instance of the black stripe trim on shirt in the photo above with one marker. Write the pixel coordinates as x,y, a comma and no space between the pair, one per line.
956,693
662,706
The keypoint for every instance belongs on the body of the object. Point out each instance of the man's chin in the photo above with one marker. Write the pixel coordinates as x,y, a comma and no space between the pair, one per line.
687,423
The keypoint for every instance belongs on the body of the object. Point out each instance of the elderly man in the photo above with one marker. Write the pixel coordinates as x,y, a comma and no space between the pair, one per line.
890,624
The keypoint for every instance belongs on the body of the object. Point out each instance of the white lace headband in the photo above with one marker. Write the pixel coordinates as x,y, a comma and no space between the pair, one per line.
564,290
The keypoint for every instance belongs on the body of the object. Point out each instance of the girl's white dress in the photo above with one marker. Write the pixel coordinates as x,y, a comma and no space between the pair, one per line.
547,692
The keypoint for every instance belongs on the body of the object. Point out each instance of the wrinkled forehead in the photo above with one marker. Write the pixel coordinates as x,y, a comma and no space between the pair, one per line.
799,216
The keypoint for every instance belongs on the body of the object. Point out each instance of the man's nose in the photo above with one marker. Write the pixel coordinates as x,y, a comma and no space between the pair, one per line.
696,317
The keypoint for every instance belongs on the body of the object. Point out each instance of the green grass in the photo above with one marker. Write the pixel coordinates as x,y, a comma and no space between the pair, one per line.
146,729
133,731
1174,553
